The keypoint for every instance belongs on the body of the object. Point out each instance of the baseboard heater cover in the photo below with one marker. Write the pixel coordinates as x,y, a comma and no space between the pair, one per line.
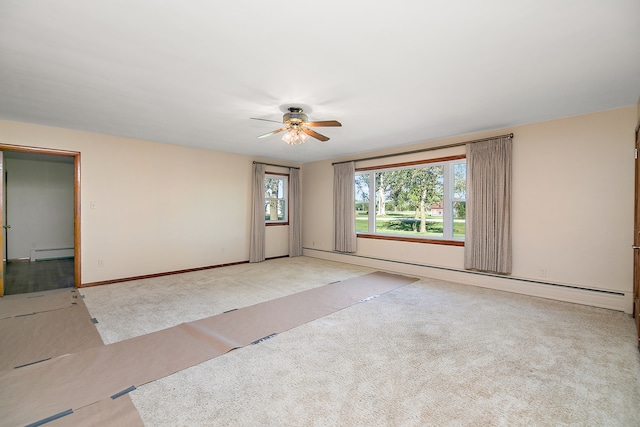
55,253
604,298
478,273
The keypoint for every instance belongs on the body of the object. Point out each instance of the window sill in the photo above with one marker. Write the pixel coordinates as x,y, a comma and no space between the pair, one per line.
411,239
271,224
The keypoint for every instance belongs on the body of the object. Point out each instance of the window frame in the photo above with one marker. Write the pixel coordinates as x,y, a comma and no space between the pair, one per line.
285,178
447,201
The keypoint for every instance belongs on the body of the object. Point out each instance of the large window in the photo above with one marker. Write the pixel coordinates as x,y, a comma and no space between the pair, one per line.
276,195
424,200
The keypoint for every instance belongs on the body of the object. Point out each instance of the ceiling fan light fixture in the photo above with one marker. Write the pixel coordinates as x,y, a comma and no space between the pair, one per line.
295,136
303,136
297,127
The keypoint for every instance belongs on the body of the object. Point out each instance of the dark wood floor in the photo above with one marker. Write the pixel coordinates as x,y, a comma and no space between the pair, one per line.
21,277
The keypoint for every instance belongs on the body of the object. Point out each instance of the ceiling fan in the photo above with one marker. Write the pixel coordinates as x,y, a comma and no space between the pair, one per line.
297,125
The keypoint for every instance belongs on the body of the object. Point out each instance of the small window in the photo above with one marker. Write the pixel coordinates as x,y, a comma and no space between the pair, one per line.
362,203
459,199
276,195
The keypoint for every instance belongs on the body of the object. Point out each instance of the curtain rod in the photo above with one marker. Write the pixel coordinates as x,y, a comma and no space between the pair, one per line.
278,166
440,147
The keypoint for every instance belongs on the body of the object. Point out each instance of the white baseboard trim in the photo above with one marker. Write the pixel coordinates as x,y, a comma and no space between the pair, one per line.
613,300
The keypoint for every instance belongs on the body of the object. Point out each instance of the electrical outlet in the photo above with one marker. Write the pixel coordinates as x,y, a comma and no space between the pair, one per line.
100,263
542,272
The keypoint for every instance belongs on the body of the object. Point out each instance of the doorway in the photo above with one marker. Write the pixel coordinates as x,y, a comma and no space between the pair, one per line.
40,218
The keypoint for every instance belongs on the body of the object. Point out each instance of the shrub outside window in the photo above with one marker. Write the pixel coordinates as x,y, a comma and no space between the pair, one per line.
425,200
276,194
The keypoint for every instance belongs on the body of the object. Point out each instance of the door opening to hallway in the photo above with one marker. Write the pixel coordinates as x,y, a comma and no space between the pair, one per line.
40,219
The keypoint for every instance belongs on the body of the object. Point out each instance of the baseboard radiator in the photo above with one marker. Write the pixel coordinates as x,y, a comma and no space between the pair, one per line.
614,300
55,253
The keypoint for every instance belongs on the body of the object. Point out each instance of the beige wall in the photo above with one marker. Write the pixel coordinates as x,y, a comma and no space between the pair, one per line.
161,207
158,207
579,170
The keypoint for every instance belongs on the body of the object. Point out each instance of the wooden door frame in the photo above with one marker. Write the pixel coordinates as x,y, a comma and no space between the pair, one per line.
636,236
77,277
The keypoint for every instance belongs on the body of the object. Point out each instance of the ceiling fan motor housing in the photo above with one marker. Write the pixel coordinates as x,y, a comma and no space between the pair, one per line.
295,116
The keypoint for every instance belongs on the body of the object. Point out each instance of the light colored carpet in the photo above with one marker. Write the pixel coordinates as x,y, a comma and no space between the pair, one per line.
430,353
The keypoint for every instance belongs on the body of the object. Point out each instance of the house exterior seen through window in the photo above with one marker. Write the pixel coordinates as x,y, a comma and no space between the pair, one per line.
426,200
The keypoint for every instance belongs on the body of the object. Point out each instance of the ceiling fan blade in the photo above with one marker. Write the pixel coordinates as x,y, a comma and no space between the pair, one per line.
266,120
325,123
272,133
314,134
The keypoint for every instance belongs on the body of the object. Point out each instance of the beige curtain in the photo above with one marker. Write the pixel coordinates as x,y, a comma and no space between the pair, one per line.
295,214
256,247
488,229
344,207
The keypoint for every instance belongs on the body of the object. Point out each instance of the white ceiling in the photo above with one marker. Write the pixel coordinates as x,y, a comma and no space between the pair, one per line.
394,73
